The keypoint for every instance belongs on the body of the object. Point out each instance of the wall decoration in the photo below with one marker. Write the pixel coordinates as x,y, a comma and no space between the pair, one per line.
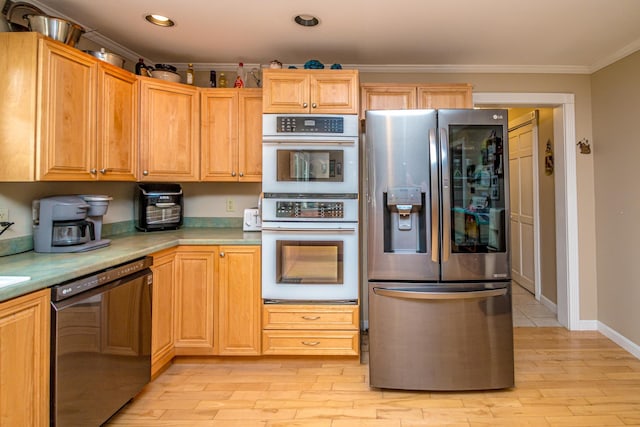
548,158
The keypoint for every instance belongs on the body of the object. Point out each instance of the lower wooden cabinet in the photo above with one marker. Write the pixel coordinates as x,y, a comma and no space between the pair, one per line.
162,336
206,301
195,299
310,330
239,301
24,360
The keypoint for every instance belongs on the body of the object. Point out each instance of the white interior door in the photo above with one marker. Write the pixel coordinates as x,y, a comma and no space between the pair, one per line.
521,164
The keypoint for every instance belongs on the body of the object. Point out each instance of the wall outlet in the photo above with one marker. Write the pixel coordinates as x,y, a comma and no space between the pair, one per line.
4,214
231,205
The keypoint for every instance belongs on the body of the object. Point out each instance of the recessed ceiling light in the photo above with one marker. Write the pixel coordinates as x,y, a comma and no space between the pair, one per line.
306,20
160,20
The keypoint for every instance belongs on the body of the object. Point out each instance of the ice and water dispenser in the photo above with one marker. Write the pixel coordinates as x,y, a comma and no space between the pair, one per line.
404,220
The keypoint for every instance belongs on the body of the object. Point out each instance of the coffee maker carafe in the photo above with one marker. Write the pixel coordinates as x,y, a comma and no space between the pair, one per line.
69,223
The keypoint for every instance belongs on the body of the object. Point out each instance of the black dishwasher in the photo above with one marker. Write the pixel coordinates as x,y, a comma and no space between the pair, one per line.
100,343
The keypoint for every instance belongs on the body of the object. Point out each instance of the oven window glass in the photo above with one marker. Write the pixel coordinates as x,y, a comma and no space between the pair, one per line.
310,165
309,262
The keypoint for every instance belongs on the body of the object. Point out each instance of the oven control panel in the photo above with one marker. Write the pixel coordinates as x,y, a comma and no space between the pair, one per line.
307,209
310,124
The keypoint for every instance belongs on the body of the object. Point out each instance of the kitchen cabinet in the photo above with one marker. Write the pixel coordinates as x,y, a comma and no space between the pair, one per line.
400,96
206,301
195,299
77,115
231,135
24,360
310,329
310,91
162,313
239,301
169,131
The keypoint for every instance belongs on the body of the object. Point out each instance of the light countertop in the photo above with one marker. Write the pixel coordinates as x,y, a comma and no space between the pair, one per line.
47,270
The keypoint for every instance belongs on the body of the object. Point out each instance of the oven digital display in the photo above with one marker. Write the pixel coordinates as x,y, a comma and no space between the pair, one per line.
299,209
297,124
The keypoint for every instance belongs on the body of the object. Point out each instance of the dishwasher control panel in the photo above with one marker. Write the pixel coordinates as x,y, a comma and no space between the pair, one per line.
75,286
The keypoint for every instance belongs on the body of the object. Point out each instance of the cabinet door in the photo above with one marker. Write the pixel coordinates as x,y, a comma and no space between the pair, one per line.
117,130
66,131
194,300
219,134
334,92
250,136
24,360
285,91
381,97
240,303
162,336
18,89
169,131
445,96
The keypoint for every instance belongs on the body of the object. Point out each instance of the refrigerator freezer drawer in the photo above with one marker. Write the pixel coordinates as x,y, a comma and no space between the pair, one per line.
422,337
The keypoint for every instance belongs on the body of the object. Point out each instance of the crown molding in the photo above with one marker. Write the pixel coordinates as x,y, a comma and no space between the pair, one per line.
616,56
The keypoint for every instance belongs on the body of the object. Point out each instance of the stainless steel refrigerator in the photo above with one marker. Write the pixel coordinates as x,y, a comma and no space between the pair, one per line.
438,263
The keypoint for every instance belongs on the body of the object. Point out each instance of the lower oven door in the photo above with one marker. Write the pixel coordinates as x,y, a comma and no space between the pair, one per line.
310,261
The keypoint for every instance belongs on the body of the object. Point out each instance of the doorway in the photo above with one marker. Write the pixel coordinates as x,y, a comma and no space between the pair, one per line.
565,191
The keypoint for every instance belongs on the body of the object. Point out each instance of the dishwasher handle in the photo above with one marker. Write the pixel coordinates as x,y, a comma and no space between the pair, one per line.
430,295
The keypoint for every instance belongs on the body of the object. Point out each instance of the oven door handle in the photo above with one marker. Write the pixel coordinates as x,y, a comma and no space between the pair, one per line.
308,142
310,230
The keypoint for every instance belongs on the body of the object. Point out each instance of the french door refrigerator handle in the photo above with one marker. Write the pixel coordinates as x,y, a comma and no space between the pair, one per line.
446,196
435,202
396,293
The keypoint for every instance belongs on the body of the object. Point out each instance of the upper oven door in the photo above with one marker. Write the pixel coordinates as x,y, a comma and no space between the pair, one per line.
312,154
310,166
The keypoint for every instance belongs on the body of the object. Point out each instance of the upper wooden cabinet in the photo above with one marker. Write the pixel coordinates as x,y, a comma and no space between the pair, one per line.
231,135
65,115
169,131
399,96
310,91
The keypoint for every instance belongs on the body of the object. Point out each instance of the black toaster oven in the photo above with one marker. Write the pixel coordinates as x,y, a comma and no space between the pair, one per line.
158,206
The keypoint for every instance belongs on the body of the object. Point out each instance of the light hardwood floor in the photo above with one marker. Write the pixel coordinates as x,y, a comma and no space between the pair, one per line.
562,379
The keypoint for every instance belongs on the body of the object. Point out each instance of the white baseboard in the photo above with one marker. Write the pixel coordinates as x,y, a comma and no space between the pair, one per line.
619,339
549,304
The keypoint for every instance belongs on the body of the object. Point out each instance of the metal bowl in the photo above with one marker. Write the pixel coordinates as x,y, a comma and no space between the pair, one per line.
109,57
58,29
166,75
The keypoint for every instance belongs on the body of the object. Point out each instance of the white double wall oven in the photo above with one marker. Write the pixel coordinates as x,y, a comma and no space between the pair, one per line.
310,208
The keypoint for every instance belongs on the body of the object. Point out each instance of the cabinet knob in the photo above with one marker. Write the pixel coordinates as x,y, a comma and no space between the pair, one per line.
221,254
145,173
305,105
233,174
314,105
103,171
93,171
241,173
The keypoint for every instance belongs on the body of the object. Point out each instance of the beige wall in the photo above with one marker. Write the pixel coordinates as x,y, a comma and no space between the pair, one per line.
616,152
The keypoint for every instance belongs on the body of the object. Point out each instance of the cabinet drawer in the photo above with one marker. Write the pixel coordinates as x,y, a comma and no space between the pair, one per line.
332,317
335,343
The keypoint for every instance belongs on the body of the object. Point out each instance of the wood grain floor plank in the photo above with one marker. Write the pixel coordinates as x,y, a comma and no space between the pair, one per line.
563,379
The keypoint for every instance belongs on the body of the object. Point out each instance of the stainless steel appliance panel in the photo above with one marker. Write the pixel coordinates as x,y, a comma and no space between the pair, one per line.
402,195
100,348
440,336
475,195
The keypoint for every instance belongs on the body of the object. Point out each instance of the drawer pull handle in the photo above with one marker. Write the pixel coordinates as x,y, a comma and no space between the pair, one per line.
311,343
310,317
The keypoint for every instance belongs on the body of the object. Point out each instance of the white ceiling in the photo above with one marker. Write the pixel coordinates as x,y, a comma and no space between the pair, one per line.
567,36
